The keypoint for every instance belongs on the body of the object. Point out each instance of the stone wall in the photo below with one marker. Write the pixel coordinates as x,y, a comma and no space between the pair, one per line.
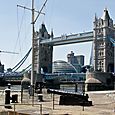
99,81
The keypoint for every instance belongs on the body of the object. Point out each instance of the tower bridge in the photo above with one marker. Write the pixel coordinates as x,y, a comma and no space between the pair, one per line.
103,48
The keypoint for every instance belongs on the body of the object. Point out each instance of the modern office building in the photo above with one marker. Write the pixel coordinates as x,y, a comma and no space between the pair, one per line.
77,61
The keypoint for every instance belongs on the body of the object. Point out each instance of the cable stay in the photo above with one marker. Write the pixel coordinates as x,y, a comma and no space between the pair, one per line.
18,65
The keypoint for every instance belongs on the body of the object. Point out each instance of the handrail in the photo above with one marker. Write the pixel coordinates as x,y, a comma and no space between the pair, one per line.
15,104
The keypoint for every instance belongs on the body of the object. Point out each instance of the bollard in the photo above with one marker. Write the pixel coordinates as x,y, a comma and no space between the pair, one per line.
14,108
15,98
7,98
40,97
9,86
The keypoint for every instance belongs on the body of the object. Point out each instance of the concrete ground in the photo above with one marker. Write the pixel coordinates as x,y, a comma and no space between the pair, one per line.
103,104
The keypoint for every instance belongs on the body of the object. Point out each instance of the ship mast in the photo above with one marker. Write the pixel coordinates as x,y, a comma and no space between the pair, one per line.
33,40
33,35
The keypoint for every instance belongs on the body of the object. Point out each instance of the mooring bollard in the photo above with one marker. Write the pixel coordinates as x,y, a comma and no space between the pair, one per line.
7,98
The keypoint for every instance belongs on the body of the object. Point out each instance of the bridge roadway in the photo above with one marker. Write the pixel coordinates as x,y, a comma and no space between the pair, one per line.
12,77
69,39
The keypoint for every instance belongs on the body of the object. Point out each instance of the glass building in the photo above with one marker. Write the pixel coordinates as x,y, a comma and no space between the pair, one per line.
60,66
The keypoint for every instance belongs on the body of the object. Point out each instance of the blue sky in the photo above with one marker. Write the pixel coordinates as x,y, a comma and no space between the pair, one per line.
64,16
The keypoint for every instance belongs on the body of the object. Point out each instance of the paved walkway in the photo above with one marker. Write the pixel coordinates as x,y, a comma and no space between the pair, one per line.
103,104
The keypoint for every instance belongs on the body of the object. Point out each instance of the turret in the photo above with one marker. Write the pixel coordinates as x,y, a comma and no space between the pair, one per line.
105,15
107,21
43,31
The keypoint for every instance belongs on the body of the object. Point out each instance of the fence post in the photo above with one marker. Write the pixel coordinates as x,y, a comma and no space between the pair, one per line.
14,110
53,101
40,109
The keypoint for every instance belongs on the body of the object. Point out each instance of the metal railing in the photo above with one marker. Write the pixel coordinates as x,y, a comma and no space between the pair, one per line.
15,104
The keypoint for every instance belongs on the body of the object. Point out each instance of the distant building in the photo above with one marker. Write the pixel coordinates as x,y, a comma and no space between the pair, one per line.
76,61
1,68
79,59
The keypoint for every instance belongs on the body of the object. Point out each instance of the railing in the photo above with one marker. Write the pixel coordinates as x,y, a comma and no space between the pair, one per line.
65,76
15,104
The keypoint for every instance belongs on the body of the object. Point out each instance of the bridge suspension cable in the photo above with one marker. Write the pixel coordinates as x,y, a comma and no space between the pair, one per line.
26,69
18,65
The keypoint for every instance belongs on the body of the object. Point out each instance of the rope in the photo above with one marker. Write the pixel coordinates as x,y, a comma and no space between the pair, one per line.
19,28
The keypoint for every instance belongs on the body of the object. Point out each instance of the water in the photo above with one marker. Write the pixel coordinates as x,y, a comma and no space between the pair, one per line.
13,87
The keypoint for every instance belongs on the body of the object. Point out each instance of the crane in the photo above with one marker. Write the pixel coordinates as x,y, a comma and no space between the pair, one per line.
8,52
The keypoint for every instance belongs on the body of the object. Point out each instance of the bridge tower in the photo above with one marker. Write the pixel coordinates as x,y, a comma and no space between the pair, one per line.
104,30
45,51
103,51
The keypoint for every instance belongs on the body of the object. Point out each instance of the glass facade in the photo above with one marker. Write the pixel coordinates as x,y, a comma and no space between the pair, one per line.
63,67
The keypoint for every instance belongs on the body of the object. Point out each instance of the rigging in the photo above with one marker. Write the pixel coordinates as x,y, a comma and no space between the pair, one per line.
8,52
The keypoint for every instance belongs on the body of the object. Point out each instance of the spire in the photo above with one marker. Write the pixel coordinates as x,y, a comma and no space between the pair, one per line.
95,18
43,28
43,31
105,15
52,35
